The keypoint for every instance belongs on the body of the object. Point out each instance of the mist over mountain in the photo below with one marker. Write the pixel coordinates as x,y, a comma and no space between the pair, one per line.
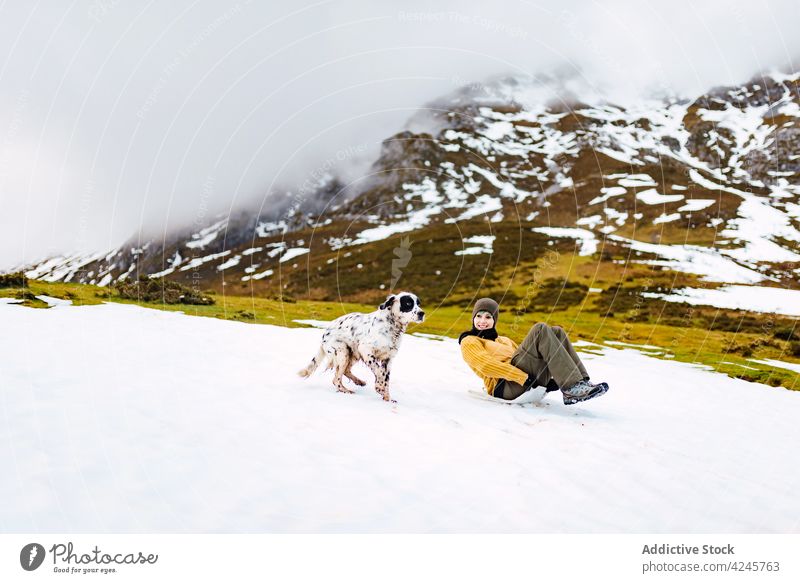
498,175
124,124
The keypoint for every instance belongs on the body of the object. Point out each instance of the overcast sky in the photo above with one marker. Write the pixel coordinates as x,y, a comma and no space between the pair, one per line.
119,114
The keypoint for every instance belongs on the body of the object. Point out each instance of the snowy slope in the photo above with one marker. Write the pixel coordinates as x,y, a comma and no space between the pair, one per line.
122,419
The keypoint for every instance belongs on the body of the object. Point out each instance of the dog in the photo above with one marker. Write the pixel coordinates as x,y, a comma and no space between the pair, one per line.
373,338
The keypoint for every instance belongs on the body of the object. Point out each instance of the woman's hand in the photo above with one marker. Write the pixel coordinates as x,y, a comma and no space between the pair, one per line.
529,382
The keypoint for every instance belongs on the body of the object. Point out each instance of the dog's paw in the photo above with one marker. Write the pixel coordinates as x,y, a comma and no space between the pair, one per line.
345,391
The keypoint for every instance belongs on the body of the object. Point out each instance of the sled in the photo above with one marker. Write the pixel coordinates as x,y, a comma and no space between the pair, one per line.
533,396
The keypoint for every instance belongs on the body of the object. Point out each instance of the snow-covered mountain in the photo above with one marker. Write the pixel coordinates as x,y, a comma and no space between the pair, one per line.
708,186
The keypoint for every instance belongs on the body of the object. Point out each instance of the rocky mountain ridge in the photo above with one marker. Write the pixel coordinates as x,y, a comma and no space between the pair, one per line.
708,186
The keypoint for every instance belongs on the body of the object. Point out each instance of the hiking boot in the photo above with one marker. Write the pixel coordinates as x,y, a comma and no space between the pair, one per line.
583,391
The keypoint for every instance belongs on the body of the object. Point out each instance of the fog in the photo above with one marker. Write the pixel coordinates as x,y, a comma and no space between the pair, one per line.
123,117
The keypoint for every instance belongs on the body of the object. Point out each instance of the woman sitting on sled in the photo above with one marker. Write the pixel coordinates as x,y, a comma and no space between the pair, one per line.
544,358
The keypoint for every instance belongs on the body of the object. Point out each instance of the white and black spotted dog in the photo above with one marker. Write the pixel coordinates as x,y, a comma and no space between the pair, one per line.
373,338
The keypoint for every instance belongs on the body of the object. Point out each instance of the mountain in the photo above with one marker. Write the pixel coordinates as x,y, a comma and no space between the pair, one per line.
700,190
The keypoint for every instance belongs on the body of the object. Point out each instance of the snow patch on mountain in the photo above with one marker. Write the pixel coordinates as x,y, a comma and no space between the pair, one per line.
205,236
771,300
588,240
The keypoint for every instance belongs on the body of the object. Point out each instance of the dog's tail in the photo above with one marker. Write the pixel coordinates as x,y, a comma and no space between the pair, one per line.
312,366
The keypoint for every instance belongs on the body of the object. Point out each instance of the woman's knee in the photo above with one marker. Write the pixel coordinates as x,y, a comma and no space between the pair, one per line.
538,327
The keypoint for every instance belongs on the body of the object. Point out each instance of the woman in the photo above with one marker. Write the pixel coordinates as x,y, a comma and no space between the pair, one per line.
544,358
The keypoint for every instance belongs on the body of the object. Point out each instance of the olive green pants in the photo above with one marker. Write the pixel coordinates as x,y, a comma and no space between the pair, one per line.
547,355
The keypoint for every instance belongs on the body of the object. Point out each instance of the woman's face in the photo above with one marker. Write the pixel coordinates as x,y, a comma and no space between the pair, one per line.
483,321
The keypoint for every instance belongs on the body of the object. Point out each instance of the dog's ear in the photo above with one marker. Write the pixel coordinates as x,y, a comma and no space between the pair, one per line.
388,303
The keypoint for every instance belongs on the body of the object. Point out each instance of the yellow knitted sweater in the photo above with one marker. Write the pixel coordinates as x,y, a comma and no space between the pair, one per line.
489,359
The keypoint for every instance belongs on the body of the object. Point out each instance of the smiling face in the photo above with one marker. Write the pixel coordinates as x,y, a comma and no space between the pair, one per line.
406,307
483,320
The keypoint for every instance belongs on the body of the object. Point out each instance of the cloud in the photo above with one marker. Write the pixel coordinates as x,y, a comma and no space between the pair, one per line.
119,117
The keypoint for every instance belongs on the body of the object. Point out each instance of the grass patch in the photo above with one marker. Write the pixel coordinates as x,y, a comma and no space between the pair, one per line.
692,340
557,294
16,279
147,289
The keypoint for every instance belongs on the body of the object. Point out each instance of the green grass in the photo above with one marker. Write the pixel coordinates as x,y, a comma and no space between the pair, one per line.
80,295
692,340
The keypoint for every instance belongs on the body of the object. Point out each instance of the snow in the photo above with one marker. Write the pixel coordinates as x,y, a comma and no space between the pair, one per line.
710,263
64,267
747,127
198,261
275,248
634,345
425,192
53,302
616,155
484,243
778,364
590,222
498,130
430,336
209,429
294,252
415,220
666,218
756,224
781,77
267,229
484,204
696,204
158,274
652,196
587,238
205,236
613,214
506,188
232,262
125,275
636,180
773,300
261,275
608,192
